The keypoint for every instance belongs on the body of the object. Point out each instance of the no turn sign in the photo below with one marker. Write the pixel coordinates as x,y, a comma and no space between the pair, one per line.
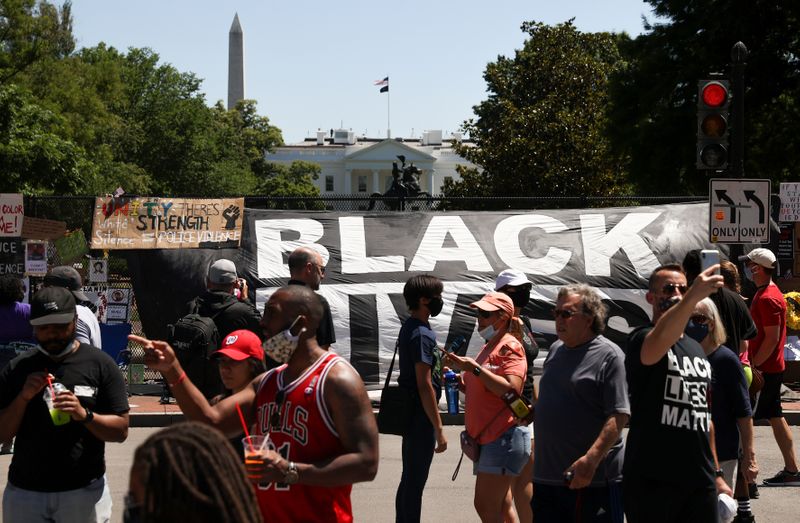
739,210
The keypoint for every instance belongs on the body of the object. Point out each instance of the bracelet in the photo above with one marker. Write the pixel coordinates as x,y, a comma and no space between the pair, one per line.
180,380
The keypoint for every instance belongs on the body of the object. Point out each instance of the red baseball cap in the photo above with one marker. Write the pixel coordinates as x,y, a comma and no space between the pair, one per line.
240,345
495,301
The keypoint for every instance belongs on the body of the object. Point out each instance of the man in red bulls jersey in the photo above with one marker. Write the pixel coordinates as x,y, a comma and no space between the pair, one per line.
314,408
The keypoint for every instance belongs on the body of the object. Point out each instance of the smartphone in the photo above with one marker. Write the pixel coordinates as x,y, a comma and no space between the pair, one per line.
458,346
708,258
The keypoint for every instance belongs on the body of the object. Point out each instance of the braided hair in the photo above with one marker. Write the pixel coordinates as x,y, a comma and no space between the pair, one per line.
191,473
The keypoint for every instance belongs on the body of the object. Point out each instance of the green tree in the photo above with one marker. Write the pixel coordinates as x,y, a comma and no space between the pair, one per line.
653,111
540,132
295,180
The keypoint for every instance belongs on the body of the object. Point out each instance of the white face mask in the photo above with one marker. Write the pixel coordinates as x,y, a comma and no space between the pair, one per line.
487,333
60,354
281,346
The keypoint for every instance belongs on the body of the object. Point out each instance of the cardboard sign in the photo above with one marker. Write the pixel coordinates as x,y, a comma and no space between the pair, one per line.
11,214
41,229
167,223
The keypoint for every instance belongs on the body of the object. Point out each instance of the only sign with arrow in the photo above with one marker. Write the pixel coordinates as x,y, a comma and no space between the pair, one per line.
739,210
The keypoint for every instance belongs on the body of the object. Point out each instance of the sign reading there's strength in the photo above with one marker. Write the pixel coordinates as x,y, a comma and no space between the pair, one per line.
166,223
739,210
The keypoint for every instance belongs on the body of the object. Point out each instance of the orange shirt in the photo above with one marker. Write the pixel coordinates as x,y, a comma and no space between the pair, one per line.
506,358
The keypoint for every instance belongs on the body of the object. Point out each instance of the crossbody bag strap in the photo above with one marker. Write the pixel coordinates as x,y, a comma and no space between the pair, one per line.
458,466
391,367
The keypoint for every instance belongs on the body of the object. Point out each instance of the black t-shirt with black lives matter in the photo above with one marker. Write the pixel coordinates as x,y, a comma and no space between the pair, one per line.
668,439
50,458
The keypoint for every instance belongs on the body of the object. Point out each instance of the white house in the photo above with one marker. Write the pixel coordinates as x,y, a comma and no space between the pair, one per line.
358,165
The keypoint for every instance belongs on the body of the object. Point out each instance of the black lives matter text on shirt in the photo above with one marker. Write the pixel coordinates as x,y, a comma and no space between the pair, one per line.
49,458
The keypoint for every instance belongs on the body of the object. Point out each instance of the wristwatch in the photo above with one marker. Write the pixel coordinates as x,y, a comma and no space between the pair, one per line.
89,416
719,473
291,475
477,371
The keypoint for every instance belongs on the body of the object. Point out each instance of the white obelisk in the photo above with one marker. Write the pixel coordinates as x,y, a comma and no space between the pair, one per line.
235,63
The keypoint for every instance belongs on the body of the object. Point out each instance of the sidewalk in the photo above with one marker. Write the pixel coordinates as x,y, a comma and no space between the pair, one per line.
147,412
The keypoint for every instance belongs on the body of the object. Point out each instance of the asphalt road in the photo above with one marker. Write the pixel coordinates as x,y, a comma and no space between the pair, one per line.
445,499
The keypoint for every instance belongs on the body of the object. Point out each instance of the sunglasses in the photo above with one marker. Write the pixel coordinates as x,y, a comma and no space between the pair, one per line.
485,314
564,314
320,267
275,419
670,288
700,319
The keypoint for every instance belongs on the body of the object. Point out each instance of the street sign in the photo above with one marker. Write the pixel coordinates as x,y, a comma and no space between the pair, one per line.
738,210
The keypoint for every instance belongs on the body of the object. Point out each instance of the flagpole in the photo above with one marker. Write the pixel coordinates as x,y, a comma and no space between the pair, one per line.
388,111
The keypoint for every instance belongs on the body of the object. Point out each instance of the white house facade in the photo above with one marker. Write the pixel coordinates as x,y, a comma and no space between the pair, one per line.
357,165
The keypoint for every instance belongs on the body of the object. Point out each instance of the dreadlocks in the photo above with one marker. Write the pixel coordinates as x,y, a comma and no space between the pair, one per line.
191,473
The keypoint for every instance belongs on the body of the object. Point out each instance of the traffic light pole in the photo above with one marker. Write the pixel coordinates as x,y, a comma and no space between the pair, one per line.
738,59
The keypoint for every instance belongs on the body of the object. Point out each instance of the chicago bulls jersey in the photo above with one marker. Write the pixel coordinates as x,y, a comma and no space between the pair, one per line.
301,430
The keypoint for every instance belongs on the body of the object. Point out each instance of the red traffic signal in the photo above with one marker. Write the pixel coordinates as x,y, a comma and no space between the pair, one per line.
713,100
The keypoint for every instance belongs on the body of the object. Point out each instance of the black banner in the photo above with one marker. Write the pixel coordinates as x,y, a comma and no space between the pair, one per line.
369,257
12,256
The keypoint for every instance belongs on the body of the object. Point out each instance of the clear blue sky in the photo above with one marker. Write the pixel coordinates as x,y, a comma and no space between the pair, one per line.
312,64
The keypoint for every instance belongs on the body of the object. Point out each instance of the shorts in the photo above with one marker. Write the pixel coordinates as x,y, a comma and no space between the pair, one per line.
505,456
768,404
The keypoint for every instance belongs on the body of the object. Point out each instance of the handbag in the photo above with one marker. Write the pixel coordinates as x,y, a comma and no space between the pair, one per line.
470,446
397,404
758,381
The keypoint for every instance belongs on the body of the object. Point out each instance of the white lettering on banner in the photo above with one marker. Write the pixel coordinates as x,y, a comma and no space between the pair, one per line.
507,244
338,296
432,250
600,246
354,250
271,247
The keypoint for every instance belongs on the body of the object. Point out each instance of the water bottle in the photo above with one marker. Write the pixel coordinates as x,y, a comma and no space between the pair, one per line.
451,391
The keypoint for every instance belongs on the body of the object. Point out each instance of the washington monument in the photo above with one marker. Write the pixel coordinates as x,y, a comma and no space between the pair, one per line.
235,63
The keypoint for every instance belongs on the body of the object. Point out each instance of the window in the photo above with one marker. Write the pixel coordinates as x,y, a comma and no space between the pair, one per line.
362,184
329,184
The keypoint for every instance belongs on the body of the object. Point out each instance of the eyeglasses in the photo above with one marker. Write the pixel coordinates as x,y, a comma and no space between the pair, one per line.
275,418
485,314
320,267
670,288
700,319
564,314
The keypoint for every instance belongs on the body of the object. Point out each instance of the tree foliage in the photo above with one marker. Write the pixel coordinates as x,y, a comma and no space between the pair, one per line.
654,97
89,121
541,130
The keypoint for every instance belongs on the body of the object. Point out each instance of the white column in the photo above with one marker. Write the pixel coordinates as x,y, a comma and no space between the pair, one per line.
376,181
348,181
431,189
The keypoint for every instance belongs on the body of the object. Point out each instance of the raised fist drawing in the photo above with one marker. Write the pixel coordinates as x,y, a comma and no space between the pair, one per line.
231,214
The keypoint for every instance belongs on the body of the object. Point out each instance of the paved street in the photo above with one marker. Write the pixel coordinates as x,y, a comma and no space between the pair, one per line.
444,499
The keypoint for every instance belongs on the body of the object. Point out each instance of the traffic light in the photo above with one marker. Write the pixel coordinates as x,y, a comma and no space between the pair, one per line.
713,101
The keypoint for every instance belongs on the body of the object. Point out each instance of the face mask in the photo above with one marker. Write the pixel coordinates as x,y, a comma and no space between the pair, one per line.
696,331
520,298
487,333
667,303
67,348
435,306
281,346
748,273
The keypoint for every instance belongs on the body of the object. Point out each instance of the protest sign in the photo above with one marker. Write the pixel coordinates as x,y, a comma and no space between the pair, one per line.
11,214
166,223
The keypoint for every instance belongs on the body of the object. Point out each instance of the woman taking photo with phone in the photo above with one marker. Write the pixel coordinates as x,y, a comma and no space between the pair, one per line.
500,366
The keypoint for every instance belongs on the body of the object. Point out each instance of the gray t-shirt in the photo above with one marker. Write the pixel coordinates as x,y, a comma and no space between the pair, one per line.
87,328
580,389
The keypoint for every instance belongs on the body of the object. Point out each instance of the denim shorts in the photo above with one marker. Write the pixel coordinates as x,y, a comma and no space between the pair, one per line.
507,455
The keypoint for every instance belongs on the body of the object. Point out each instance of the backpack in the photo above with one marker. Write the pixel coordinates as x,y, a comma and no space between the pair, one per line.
194,338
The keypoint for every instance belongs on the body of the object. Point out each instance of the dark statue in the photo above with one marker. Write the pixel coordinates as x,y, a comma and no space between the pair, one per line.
405,185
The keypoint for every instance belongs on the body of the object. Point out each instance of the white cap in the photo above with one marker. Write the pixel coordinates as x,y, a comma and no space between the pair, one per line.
510,277
726,507
760,256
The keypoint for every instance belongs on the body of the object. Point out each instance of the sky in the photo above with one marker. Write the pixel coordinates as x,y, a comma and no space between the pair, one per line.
312,65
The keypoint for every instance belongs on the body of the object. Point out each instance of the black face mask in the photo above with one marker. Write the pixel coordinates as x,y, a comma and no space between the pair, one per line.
520,297
435,306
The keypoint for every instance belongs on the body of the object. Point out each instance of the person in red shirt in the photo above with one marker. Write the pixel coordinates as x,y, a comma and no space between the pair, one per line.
768,310
314,407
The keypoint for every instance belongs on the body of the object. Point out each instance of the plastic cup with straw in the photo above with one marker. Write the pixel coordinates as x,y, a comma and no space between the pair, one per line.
254,445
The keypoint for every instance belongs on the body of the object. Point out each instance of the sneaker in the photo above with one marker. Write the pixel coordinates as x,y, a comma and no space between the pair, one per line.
744,518
752,490
783,479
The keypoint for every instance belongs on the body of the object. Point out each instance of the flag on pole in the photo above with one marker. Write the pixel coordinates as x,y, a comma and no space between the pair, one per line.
384,83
